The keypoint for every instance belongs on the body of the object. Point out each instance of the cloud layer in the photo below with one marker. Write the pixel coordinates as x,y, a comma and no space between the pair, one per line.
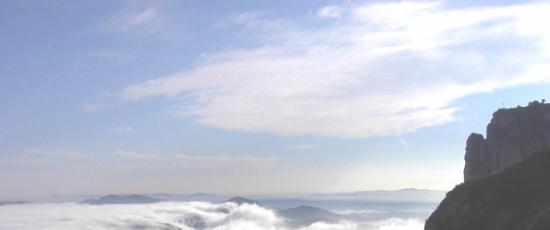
372,70
167,216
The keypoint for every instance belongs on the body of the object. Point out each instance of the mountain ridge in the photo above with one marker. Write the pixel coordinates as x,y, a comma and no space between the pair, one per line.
122,199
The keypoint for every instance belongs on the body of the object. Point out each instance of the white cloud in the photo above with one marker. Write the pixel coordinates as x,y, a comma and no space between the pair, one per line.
138,156
383,69
57,153
217,162
331,226
142,17
133,16
302,147
129,20
229,161
186,216
399,224
247,18
38,157
331,12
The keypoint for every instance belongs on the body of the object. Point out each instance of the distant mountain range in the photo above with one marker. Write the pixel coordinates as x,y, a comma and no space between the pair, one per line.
307,215
207,197
301,211
12,202
295,217
299,216
405,200
243,200
146,199
122,199
402,195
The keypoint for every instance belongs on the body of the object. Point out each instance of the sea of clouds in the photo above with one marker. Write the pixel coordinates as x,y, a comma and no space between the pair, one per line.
168,216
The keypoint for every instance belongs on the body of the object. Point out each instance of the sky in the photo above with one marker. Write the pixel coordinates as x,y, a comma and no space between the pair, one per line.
256,97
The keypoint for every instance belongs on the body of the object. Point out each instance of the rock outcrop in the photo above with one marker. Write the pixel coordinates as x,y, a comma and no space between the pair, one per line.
516,199
512,136
507,176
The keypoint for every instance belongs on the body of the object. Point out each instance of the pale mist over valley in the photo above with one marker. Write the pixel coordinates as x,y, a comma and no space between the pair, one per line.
274,115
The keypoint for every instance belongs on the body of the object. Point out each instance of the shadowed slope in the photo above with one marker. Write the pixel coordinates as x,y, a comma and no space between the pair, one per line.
516,199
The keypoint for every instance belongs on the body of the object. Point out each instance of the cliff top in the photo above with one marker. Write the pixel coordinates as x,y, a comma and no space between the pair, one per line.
533,108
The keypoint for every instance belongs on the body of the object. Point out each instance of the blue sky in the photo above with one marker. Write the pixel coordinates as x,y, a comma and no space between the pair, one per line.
279,97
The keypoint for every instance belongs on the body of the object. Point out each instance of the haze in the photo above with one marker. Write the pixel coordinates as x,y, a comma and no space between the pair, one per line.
266,98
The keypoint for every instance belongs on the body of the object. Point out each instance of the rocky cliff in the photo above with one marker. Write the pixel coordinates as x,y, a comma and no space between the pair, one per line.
507,176
512,136
516,199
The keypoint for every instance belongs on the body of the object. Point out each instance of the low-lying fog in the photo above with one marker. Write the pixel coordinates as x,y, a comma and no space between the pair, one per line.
191,215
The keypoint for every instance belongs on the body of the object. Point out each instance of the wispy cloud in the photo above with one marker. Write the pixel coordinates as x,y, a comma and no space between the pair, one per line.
207,162
402,141
228,161
254,25
139,156
57,153
146,15
246,18
331,12
134,18
44,157
302,147
383,69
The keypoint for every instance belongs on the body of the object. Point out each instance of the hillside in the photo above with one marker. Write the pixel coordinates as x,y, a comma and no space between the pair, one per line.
516,199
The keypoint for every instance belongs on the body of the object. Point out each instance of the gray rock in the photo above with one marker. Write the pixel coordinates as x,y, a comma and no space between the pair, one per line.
513,135
515,199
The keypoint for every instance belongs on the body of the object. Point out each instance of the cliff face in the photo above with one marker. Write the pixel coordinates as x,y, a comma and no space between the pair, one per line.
516,199
507,176
512,136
